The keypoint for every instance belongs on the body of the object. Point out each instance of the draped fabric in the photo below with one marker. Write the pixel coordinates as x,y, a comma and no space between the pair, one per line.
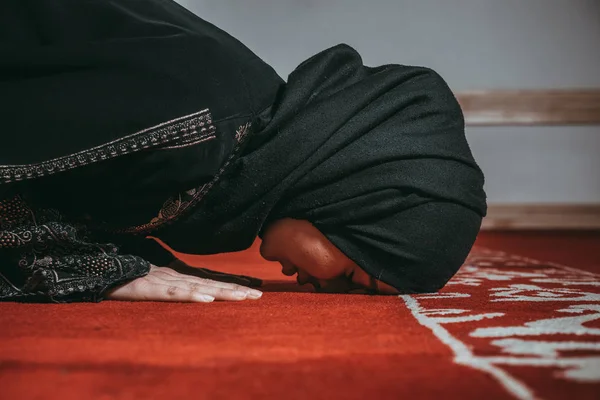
113,113
376,158
79,74
135,102
45,258
112,107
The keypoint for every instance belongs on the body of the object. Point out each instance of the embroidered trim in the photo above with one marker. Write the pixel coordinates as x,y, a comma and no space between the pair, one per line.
60,262
183,131
175,206
188,143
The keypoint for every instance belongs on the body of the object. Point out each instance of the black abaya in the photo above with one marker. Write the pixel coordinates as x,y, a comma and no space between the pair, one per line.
137,117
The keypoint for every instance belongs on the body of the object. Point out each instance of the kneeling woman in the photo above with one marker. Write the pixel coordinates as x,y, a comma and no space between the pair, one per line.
140,119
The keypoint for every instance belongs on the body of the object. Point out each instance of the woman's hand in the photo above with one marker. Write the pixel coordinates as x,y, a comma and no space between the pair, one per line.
166,284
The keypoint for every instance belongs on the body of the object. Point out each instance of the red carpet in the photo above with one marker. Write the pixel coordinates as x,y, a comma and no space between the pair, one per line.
507,327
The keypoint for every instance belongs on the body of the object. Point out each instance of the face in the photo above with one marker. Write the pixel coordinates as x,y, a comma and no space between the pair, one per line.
302,249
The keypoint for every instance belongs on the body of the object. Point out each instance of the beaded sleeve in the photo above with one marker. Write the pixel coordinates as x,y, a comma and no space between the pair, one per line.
45,258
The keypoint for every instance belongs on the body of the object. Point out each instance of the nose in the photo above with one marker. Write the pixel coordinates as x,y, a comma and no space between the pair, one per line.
302,278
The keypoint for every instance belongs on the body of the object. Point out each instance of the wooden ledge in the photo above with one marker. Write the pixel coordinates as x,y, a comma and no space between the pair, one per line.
530,107
542,216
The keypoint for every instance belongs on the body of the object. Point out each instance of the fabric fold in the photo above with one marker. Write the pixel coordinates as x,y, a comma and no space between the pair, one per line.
353,149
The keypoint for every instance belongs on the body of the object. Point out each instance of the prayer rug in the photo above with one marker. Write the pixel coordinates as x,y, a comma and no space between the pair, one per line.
505,327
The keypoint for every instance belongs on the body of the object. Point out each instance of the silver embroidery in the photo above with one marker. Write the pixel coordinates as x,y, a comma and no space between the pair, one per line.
242,131
188,144
176,206
58,259
182,131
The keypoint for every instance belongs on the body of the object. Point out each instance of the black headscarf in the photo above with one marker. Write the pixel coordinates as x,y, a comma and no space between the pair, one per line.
376,158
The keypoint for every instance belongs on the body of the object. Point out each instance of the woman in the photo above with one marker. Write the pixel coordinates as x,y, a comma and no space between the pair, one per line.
136,118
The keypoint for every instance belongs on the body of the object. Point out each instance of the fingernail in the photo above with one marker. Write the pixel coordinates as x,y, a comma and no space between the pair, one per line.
254,294
205,298
238,294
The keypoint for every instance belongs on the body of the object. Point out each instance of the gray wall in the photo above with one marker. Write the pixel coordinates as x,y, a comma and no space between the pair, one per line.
474,44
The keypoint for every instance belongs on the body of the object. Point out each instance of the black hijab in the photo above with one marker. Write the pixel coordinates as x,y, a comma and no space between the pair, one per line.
376,158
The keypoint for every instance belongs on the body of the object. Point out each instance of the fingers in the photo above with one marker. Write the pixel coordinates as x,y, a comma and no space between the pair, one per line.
146,290
164,284
228,288
218,293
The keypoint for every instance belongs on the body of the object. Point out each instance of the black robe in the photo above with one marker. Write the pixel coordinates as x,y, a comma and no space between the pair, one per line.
138,118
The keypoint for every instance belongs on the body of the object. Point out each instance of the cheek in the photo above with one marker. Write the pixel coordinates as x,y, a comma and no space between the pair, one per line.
300,244
275,244
318,260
